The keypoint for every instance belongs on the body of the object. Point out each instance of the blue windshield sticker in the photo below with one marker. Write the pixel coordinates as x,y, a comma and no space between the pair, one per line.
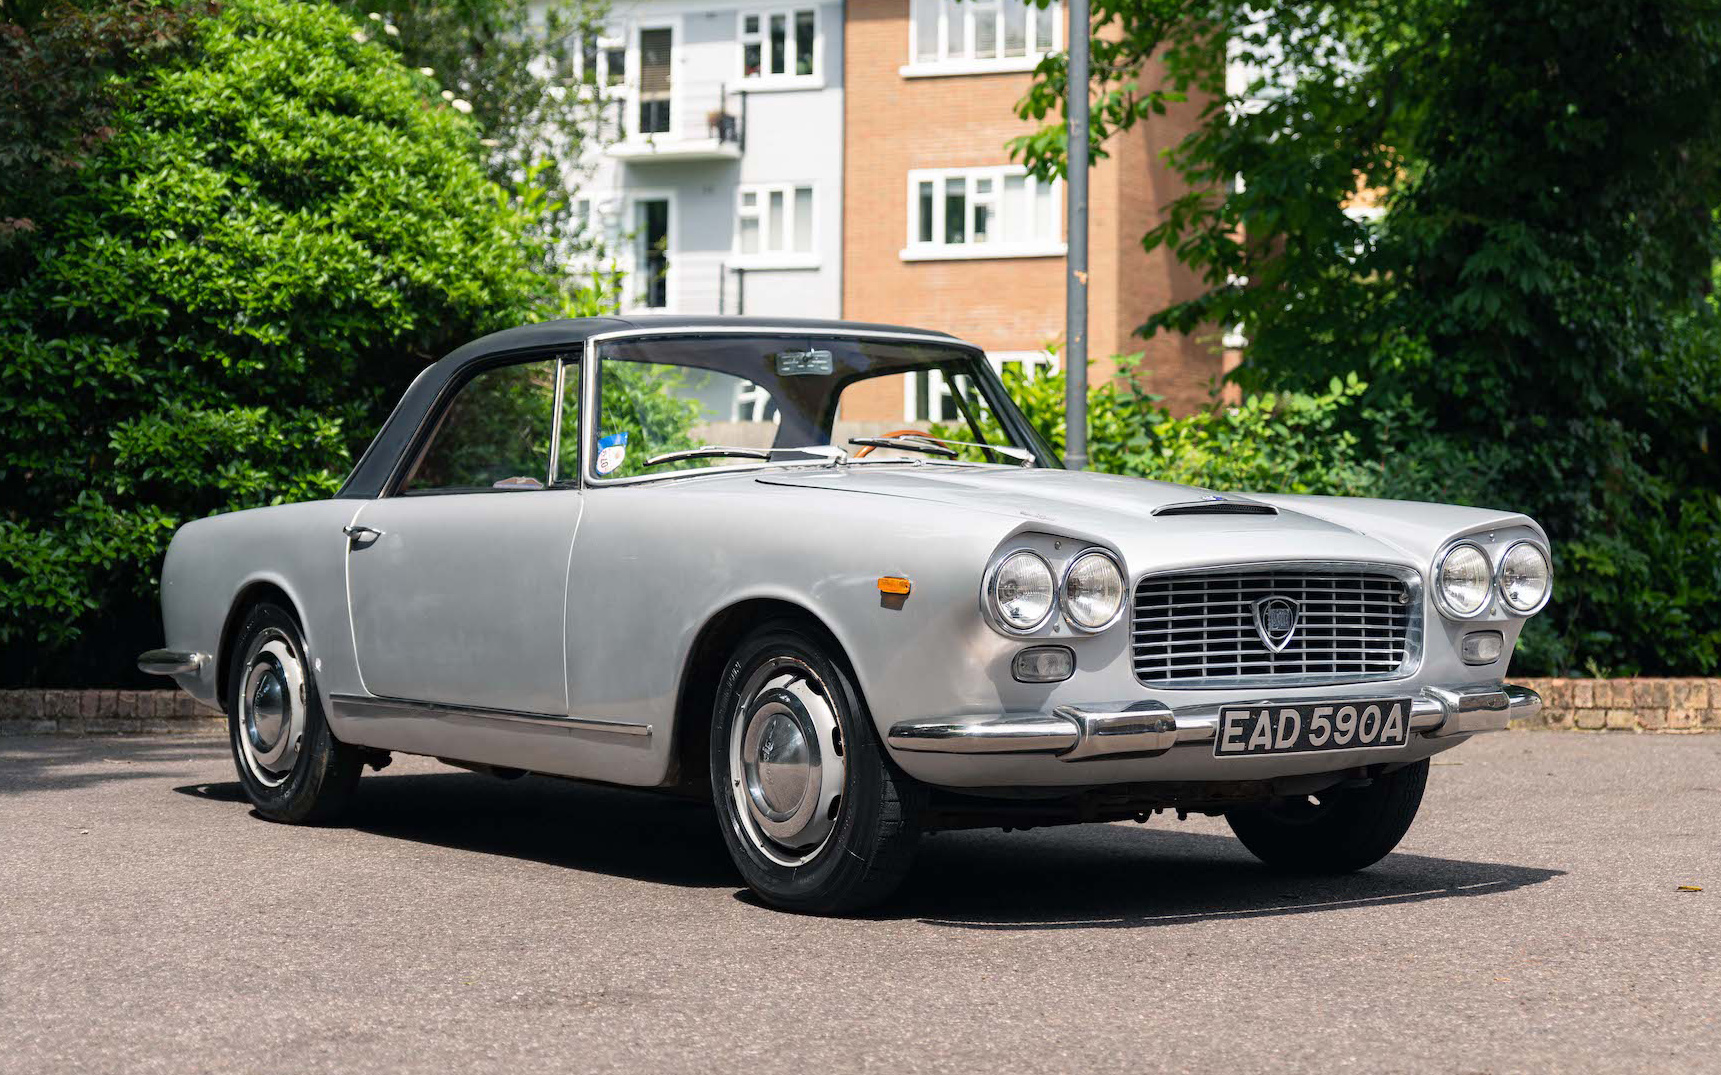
611,451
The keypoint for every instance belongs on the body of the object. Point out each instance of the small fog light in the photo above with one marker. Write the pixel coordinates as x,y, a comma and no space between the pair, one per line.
1482,647
1043,664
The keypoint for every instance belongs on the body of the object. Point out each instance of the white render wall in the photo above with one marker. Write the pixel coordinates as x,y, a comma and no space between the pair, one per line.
793,135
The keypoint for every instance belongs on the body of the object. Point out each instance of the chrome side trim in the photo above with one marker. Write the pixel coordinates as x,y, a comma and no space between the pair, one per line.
1076,732
170,662
360,706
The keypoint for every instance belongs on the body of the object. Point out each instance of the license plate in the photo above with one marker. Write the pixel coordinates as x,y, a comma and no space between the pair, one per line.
1305,727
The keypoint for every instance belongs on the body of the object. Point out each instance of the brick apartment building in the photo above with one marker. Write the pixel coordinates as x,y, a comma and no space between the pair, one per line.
941,231
846,158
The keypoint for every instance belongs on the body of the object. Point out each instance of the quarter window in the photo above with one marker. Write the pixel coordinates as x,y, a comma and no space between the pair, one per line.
982,212
780,44
774,220
980,33
930,398
497,432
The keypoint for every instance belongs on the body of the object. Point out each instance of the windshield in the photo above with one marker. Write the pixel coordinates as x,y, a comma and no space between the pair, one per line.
667,404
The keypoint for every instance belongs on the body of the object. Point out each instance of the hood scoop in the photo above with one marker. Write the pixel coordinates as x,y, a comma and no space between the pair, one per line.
1216,506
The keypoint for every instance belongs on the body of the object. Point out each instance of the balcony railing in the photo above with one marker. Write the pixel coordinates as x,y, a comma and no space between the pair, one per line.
693,122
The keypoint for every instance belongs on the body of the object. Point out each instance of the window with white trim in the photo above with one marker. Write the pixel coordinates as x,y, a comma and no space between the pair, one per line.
602,70
982,33
982,212
780,45
774,220
929,397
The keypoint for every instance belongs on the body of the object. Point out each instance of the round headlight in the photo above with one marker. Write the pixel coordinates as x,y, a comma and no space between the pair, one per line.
1525,578
1022,591
1093,591
1462,581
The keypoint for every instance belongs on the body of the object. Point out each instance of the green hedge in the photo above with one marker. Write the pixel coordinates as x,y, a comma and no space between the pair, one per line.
215,309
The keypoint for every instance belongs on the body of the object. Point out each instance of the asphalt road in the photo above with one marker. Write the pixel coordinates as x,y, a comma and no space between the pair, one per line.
1531,922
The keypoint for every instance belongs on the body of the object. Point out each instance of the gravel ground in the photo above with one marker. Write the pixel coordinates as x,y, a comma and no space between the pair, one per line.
1532,921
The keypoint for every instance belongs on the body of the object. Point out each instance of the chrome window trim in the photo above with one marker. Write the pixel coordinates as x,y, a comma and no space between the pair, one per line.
1439,571
989,600
1500,568
556,421
1063,591
1415,631
589,387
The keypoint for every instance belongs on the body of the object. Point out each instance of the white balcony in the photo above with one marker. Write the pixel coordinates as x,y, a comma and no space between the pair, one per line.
695,123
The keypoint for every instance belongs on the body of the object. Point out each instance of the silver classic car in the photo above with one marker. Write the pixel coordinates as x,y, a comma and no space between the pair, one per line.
701,555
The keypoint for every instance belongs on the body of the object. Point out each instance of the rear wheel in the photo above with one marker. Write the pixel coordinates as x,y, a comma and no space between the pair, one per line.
292,767
1339,830
812,811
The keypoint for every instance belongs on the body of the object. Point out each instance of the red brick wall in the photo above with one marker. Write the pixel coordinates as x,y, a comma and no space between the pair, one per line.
895,124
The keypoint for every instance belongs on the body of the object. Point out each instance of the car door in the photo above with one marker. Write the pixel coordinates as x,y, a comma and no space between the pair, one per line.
457,580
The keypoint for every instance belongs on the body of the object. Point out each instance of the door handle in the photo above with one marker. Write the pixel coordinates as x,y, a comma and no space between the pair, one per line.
355,532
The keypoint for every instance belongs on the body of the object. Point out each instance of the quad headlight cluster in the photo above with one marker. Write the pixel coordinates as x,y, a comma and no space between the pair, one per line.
1022,591
1466,581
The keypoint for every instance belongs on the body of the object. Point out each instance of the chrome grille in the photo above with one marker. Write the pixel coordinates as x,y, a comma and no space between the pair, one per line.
1355,622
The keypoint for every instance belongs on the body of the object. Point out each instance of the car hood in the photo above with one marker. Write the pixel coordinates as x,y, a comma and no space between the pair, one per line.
1155,521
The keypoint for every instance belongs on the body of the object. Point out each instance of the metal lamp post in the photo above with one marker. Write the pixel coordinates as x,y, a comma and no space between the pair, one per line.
1076,283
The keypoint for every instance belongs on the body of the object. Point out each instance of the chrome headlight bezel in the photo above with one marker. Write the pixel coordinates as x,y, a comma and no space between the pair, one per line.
1499,581
1064,591
1489,589
994,610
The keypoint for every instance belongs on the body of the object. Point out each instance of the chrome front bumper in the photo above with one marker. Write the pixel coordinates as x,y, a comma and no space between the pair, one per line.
170,662
1077,733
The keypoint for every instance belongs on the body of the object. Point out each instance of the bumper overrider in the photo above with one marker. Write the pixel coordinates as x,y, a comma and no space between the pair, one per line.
1145,728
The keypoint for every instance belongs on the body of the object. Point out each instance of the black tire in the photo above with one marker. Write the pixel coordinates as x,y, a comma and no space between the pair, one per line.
868,851
317,780
1340,830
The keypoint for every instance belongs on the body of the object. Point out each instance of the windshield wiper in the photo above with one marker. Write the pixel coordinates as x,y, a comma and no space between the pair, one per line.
829,453
931,445
1020,455
912,444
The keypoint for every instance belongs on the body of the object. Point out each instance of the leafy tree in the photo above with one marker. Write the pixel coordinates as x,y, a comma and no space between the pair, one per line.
1534,305
279,225
512,65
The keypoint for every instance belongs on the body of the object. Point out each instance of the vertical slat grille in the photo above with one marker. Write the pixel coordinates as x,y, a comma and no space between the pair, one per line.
1200,627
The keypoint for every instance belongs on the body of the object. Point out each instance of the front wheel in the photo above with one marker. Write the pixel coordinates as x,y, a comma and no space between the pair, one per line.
291,766
812,811
1339,830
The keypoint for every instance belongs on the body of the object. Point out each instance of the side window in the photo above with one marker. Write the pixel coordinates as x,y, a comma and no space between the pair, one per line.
496,434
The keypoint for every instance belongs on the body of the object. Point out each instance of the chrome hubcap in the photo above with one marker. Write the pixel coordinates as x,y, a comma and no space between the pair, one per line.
786,762
272,708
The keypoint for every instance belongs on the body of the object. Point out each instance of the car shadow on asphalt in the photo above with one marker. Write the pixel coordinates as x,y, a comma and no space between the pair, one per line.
1087,876
616,831
1128,876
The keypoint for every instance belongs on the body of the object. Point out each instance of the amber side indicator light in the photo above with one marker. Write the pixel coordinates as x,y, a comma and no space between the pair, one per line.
894,584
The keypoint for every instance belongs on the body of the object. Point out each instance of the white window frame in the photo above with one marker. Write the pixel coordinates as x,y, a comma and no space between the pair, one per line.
963,62
939,250
765,81
787,258
677,91
671,252
938,389
751,403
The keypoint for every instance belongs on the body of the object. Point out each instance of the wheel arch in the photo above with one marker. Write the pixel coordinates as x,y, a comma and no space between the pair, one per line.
253,593
697,689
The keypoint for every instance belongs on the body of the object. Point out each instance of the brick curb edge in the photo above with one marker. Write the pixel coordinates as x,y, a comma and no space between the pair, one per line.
1612,705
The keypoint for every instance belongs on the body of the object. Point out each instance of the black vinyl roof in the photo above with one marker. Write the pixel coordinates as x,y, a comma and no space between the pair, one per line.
374,469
